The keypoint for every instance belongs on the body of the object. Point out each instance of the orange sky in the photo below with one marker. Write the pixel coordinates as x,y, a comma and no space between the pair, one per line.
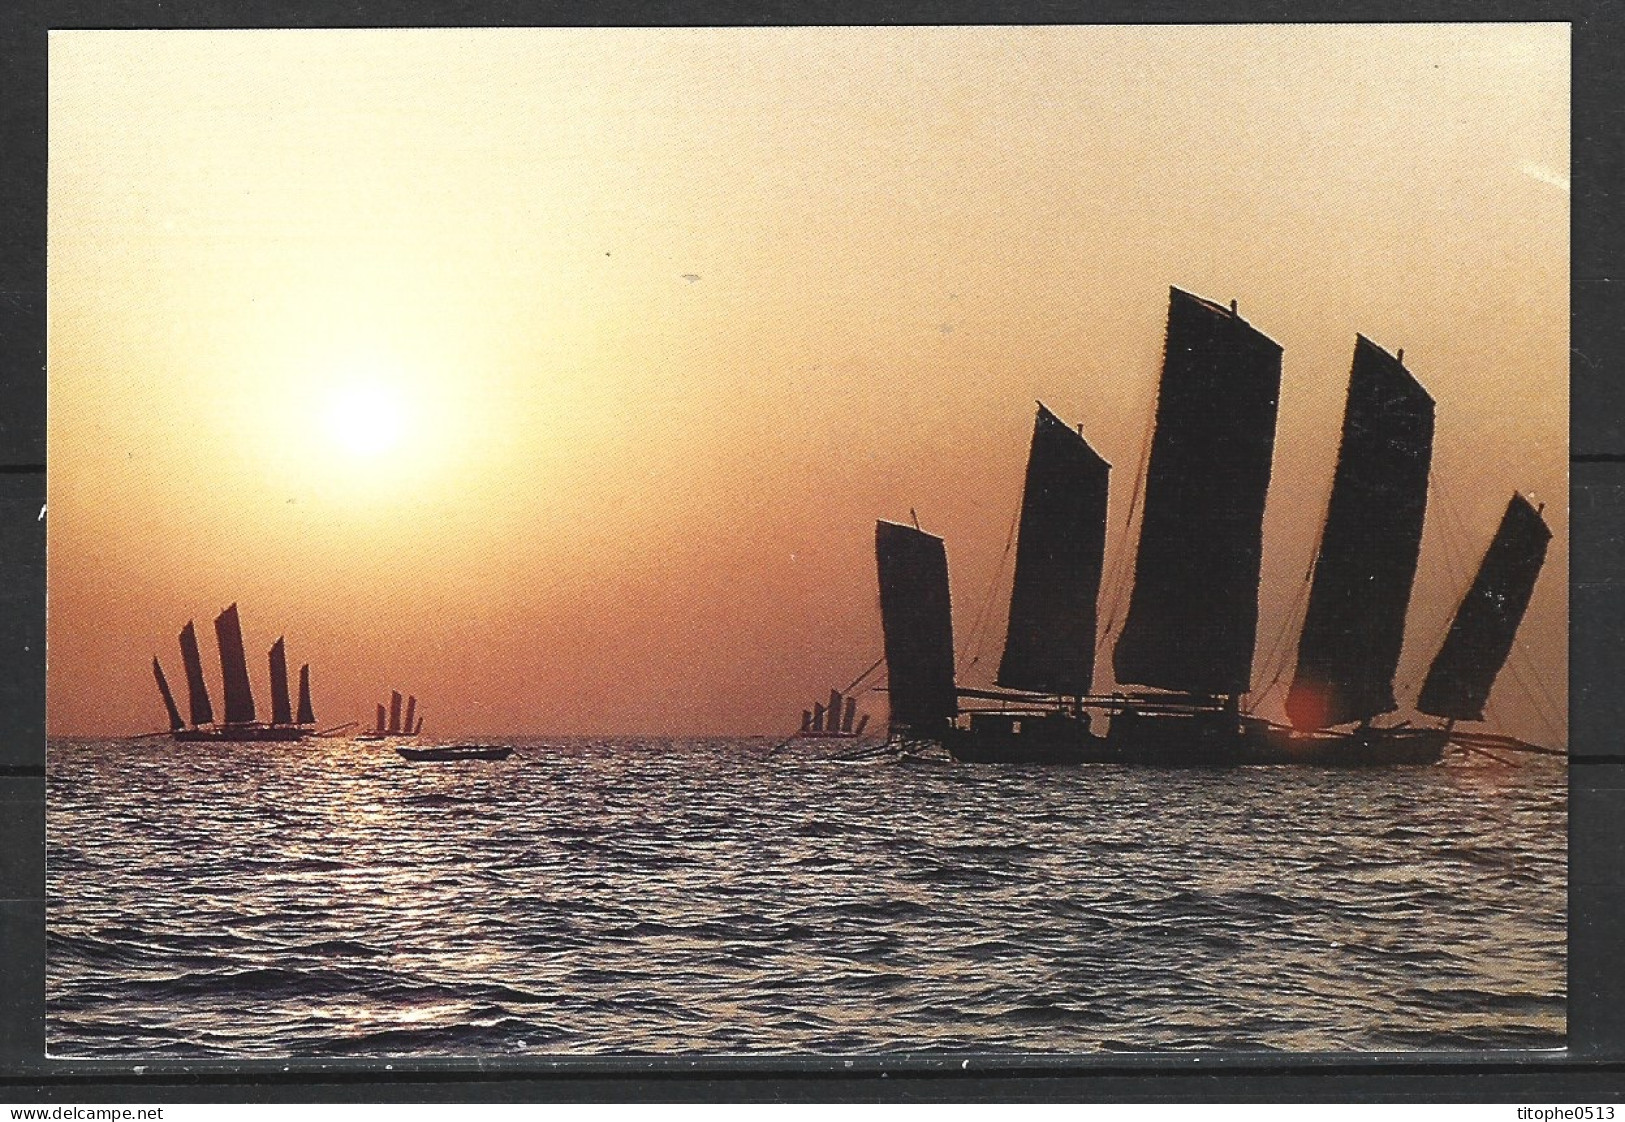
559,376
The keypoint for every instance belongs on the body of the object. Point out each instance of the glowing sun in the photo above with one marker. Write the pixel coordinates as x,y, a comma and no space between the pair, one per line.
366,418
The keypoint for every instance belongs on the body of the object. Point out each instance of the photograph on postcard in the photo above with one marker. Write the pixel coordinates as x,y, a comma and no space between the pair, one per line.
615,542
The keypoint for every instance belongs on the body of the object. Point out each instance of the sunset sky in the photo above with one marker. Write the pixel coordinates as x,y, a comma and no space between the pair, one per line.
559,376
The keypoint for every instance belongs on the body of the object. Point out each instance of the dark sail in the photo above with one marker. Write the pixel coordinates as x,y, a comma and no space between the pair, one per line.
917,618
848,715
411,708
818,716
417,729
281,706
197,692
1480,638
175,721
1050,643
228,631
1193,616
1355,623
394,710
380,719
307,715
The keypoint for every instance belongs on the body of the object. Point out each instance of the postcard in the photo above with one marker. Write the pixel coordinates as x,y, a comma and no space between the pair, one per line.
807,541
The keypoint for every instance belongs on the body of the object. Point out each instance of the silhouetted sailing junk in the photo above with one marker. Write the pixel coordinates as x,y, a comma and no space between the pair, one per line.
240,722
834,721
1189,632
394,726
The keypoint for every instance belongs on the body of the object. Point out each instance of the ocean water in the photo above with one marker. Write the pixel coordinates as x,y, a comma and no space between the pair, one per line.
679,897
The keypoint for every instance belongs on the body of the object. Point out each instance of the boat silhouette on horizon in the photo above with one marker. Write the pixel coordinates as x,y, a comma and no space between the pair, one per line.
239,723
391,726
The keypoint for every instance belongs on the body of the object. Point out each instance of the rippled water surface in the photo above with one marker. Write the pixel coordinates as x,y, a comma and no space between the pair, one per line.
665,897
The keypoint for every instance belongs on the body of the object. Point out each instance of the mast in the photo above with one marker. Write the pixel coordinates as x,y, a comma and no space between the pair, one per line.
228,632
1193,616
175,722
411,708
307,715
1480,637
1354,625
1049,646
197,691
281,708
394,710
916,616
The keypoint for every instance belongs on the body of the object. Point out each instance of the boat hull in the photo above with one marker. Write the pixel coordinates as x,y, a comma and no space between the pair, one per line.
1184,740
453,752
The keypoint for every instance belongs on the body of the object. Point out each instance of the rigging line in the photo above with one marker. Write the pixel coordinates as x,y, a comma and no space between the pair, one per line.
973,648
1547,717
1122,577
873,666
1533,668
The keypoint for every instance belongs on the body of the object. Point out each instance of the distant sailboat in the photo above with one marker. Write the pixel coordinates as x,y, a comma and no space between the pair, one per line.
240,723
1189,634
390,724
838,720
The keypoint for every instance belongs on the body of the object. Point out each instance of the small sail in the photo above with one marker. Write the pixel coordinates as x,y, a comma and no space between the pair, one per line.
197,691
1355,622
916,616
411,709
281,705
228,632
818,716
1480,637
394,710
806,720
1193,616
380,727
847,715
863,723
307,715
175,721
832,718
417,729
1049,646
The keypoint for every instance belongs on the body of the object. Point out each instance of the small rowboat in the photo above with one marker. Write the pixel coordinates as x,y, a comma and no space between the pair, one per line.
448,752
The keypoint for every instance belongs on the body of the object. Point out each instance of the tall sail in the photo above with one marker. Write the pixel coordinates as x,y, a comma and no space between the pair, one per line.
1193,616
818,716
849,714
417,729
281,705
197,691
1480,637
917,618
411,708
175,721
380,727
228,631
394,710
307,715
1049,646
1355,623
